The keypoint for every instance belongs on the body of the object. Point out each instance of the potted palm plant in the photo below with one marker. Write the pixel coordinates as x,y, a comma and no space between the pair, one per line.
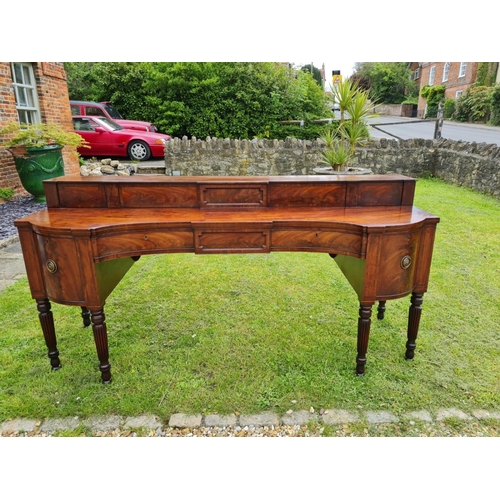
37,151
352,130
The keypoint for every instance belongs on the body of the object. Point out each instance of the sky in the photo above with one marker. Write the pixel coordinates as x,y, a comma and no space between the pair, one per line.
264,30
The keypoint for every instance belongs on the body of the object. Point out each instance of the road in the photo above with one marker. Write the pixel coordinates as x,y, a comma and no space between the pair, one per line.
413,129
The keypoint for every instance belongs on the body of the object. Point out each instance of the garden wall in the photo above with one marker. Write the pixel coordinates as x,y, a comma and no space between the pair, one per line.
472,165
394,109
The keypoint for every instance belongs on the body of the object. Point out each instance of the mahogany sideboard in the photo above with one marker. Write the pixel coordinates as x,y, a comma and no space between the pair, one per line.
94,228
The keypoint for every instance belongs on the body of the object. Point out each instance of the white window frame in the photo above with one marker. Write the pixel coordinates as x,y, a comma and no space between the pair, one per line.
25,92
463,69
458,93
446,71
417,74
432,73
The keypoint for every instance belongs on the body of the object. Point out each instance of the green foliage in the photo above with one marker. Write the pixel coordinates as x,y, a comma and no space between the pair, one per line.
434,95
474,105
6,193
340,143
343,94
486,74
386,82
449,108
38,135
495,105
329,136
355,133
316,73
216,99
411,100
309,132
337,155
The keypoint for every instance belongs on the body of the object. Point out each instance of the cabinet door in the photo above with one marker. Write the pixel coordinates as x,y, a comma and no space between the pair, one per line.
397,264
61,269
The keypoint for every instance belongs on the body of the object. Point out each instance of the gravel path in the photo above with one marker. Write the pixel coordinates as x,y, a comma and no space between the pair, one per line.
14,209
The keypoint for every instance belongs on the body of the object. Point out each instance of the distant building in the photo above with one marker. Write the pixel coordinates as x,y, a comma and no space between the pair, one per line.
455,76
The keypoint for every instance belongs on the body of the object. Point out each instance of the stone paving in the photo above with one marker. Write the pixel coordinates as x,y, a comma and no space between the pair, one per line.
11,262
265,420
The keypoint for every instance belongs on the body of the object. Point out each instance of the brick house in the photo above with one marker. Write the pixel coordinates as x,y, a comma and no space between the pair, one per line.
455,76
32,93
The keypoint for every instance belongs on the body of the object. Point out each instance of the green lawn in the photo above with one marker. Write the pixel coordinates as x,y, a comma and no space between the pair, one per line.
247,333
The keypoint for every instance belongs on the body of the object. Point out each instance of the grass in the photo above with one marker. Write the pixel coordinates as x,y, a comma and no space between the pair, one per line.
248,333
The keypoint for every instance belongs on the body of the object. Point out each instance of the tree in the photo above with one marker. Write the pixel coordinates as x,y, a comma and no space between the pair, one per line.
387,82
316,73
217,99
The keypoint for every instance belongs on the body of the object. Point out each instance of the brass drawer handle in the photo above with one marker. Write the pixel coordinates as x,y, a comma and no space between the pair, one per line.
51,266
406,262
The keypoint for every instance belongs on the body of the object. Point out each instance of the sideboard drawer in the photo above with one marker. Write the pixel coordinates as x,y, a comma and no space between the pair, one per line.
141,243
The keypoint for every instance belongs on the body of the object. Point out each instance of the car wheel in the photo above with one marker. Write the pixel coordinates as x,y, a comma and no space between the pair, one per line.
138,150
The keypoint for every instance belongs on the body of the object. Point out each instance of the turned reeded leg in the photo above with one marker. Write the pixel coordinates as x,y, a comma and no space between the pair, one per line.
85,317
47,323
101,342
413,323
381,309
364,322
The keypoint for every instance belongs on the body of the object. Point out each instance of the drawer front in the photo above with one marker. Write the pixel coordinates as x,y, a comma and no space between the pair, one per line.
238,196
319,240
140,243
232,241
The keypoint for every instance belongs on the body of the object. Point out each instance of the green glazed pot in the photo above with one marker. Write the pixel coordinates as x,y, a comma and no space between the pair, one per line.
36,165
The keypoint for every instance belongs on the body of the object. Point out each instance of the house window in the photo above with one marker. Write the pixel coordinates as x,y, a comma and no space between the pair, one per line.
463,67
446,71
458,93
24,85
417,74
431,75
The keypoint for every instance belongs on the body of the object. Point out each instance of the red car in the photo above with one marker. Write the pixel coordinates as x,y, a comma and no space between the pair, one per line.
107,138
88,108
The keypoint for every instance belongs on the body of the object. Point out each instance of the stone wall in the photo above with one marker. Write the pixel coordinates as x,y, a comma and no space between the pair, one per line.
241,157
394,109
472,165
476,166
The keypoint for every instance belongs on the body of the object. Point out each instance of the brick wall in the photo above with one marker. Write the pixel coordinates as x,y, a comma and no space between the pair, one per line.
453,84
53,99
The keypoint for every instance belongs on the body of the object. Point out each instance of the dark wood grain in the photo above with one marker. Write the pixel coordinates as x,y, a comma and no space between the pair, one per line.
94,229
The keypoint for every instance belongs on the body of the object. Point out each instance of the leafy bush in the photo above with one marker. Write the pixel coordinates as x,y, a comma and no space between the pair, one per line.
495,105
386,82
6,193
449,108
216,99
434,94
474,105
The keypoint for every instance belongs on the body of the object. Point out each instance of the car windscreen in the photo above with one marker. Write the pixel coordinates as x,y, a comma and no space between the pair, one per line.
112,112
109,123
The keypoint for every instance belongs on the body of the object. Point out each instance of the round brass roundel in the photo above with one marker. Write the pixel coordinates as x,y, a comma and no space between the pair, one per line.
51,266
406,262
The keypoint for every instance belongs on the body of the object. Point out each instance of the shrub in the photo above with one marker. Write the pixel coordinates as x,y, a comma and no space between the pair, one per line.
449,108
434,95
474,105
495,105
